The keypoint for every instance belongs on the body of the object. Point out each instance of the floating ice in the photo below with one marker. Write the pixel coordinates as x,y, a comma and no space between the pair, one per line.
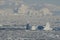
47,27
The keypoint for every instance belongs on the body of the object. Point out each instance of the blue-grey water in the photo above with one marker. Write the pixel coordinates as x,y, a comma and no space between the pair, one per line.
29,35
18,34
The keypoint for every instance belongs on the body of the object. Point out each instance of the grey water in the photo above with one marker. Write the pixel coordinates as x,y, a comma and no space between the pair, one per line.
20,34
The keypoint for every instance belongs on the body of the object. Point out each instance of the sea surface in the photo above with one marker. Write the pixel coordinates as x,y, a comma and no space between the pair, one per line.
16,34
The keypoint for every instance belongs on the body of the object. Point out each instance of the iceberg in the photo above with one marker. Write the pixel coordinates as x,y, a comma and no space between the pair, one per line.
33,28
47,27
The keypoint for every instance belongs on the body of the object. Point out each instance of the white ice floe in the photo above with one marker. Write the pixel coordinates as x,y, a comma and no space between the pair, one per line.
47,27
33,28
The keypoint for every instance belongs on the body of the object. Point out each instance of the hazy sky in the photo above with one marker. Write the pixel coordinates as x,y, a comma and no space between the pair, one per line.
32,11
